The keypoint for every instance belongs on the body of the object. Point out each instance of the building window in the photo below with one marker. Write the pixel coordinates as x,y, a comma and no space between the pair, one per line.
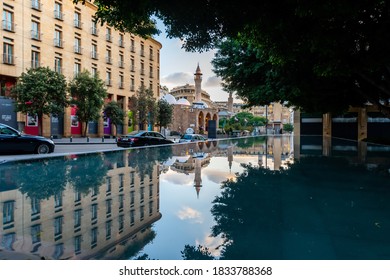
108,185
121,41
94,211
121,222
58,225
108,206
108,56
58,38
36,4
77,244
35,31
58,64
94,53
77,69
151,72
94,30
121,81
151,57
58,11
108,35
77,20
8,20
58,251
94,71
35,206
132,65
36,234
58,200
108,229
94,236
142,68
121,63
108,78
35,62
142,52
8,212
8,53
132,45
77,45
132,217
132,198
132,84
77,218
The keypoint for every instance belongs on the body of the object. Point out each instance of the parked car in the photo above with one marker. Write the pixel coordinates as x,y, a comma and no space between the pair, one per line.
13,141
192,138
142,138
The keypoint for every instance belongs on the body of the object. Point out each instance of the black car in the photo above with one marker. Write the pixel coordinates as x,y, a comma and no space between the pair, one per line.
14,142
142,138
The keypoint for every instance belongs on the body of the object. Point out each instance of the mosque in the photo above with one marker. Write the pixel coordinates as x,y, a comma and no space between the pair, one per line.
192,108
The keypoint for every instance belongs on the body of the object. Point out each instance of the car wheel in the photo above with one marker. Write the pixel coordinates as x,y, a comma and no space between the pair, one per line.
43,149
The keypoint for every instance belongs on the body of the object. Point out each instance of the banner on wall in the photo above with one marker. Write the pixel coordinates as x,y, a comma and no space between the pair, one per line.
32,120
74,121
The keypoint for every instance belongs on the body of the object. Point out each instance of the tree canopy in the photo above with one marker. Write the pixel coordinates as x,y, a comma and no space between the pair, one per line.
318,56
88,94
40,91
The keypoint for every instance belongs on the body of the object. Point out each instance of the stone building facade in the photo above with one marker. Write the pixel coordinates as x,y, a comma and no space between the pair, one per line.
66,38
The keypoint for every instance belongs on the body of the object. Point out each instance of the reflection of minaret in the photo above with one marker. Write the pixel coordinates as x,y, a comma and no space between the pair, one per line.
198,84
198,177
230,156
230,102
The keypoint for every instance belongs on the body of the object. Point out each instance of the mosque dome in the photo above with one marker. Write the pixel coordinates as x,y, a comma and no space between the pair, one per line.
169,98
183,102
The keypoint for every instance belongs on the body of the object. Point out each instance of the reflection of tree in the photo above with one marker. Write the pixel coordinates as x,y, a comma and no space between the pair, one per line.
196,253
286,214
87,172
144,160
42,179
248,142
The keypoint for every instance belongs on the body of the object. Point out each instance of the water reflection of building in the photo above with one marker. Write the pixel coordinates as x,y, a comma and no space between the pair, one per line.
101,224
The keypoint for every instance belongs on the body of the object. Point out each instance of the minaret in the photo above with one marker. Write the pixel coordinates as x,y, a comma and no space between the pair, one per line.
198,175
198,81
230,102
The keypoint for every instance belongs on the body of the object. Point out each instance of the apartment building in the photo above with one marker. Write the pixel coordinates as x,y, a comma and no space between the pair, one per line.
66,38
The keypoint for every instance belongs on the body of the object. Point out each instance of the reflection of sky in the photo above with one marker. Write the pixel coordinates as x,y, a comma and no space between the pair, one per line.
186,218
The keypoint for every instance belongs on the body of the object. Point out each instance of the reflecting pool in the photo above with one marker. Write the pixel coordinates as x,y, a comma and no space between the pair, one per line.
275,197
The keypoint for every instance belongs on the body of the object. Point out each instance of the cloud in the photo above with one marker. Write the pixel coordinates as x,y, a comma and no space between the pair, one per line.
213,81
178,79
188,213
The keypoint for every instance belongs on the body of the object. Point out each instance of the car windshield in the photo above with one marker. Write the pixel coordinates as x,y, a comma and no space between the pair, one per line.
135,133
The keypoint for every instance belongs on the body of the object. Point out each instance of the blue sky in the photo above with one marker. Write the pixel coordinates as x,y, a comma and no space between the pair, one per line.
177,67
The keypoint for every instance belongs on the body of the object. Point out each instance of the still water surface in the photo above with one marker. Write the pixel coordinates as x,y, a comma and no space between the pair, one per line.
275,197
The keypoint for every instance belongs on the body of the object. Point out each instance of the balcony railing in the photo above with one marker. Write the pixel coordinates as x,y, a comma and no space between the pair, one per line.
77,23
36,4
77,49
58,43
35,64
8,25
108,82
121,64
94,55
36,35
121,85
108,60
8,58
94,31
58,15
132,49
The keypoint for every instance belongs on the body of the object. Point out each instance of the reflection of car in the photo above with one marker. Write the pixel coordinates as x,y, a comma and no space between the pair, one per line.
142,138
12,141
192,138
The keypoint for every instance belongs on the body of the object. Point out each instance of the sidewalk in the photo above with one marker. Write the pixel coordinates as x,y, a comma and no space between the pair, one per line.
84,140
93,140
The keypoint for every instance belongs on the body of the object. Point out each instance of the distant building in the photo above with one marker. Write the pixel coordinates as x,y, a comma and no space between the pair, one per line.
193,107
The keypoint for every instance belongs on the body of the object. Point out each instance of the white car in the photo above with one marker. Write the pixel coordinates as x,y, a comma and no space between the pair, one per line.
192,138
